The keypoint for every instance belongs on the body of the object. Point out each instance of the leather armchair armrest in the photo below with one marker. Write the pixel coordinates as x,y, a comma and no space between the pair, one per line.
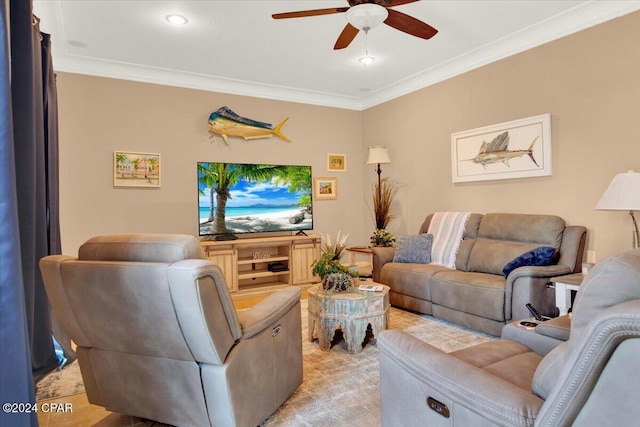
492,398
381,256
529,285
268,311
539,271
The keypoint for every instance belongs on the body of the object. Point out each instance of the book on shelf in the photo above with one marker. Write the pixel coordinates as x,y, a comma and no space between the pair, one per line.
371,288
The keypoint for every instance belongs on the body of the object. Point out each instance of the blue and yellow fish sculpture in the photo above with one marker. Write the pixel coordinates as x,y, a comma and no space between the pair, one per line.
225,123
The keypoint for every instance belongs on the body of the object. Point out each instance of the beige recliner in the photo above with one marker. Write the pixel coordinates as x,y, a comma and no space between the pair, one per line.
158,336
593,379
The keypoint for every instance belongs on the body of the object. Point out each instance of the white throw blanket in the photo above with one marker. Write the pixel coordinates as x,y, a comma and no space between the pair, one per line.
447,229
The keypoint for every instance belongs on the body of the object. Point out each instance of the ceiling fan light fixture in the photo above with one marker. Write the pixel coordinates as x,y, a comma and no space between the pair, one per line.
367,60
366,15
176,19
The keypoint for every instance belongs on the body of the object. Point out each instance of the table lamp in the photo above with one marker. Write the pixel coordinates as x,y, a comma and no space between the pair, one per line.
623,194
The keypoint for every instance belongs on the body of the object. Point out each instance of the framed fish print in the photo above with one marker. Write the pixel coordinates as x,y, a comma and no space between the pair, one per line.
337,162
136,169
325,188
516,149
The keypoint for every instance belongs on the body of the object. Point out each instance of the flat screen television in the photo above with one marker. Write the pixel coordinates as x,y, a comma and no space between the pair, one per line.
239,198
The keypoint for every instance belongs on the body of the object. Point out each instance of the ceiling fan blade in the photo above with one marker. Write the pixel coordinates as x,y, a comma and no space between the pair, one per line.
315,12
409,25
346,37
392,3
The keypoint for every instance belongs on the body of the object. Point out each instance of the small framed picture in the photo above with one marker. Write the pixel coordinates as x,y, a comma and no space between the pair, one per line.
136,169
336,162
325,188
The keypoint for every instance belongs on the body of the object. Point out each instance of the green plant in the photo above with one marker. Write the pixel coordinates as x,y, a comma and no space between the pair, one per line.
383,237
329,261
326,265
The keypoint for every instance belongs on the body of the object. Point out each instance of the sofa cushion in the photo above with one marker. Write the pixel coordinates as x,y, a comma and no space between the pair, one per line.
509,360
542,255
479,294
503,237
416,249
410,279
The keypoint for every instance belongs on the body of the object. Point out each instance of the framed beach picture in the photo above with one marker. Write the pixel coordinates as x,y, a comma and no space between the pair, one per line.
337,162
515,149
132,169
325,188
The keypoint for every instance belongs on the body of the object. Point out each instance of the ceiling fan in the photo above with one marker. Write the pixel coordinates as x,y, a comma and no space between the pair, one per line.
367,14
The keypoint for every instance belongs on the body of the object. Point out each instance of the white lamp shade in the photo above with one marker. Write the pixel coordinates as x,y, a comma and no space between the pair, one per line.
622,194
378,154
366,15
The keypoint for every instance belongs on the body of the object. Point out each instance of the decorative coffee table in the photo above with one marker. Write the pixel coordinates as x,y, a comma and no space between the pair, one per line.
352,312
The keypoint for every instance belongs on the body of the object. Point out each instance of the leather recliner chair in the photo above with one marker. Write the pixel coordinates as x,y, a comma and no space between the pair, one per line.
593,379
158,336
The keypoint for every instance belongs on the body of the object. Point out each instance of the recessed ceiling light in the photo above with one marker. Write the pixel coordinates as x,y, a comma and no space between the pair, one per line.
176,19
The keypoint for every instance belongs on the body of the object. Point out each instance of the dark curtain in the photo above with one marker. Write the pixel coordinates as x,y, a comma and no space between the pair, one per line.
28,206
30,165
50,107
16,381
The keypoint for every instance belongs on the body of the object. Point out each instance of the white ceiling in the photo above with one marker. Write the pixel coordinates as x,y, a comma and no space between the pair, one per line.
236,47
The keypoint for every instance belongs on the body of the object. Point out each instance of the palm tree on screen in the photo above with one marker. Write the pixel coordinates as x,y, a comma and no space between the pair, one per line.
299,179
220,176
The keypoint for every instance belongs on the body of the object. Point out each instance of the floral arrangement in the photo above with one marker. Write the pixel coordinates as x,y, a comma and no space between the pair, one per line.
334,275
382,237
334,248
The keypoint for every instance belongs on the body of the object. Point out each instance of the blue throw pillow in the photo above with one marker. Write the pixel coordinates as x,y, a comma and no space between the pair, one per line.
414,249
535,257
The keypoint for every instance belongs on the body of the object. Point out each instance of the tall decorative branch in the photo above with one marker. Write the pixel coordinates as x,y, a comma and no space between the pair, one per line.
384,192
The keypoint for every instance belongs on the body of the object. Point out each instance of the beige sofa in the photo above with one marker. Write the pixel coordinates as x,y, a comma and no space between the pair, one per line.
590,380
476,294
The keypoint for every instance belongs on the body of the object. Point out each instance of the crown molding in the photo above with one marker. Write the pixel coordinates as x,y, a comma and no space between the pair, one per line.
166,77
576,19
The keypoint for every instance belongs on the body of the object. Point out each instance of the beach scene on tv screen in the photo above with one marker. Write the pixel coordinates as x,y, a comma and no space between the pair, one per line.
242,198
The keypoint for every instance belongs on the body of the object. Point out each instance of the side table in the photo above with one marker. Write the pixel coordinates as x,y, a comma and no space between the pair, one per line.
352,312
353,251
564,285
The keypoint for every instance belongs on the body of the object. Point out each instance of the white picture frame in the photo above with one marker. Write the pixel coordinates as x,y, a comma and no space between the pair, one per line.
516,149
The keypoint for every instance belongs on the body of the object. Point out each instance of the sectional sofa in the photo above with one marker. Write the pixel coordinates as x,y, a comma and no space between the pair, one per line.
476,294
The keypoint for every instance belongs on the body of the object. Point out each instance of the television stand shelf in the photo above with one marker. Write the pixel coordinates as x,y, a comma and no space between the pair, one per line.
245,262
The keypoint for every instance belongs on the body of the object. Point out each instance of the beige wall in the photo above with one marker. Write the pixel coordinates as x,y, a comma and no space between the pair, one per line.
99,116
589,82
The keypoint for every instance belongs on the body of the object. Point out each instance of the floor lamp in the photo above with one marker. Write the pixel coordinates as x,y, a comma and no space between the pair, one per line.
378,155
623,194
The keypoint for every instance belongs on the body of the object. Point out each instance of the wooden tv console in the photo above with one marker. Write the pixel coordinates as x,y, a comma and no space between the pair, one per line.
245,262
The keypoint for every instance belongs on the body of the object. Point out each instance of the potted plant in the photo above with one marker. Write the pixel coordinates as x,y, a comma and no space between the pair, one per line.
382,237
384,192
334,275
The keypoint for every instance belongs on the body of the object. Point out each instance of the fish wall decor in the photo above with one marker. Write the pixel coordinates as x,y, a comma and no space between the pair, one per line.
225,122
497,151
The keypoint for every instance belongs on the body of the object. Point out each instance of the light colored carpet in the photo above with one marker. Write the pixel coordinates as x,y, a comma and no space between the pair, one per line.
338,388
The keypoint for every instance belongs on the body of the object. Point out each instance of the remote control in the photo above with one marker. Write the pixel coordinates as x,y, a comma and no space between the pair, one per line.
534,312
